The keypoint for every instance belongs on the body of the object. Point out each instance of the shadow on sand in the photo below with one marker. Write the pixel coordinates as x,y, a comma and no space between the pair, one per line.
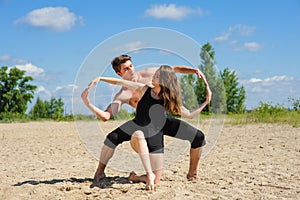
106,182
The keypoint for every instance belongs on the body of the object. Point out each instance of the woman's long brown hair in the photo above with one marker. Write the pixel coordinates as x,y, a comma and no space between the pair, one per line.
170,89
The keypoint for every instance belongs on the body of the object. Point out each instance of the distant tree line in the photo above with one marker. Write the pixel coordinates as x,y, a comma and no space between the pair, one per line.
15,94
52,109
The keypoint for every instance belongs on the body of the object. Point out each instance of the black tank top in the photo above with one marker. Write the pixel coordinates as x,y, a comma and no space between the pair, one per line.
150,110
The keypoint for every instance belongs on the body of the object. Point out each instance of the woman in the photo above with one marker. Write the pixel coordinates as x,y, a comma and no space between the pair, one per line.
145,130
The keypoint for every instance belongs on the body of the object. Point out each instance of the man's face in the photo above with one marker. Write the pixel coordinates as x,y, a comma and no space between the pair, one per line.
127,70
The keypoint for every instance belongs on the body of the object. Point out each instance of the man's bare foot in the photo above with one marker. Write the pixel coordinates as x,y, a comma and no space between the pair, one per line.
98,177
193,177
150,181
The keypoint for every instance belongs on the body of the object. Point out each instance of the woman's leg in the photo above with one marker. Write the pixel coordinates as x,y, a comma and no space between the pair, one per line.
156,160
139,145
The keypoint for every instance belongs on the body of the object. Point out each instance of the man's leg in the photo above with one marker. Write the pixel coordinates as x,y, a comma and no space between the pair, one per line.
195,155
184,131
106,154
112,140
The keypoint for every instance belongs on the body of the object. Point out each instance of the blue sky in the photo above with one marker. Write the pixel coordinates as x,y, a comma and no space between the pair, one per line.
53,40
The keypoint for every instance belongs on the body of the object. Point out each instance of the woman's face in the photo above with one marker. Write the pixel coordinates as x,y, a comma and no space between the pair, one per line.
156,78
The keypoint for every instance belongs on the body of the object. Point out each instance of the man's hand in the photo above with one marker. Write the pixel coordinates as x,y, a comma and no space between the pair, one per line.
85,95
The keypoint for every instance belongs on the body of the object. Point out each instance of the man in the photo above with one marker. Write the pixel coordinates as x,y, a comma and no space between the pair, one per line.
124,68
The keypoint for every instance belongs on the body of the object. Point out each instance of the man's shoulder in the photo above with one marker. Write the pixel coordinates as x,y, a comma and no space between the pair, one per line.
123,95
145,75
147,72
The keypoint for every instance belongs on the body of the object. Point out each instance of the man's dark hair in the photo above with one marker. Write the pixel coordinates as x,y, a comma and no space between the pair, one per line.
117,61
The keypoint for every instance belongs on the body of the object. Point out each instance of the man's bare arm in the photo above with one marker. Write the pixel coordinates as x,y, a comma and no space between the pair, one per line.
112,109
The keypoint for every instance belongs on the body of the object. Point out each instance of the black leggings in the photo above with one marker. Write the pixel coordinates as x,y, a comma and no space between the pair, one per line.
154,135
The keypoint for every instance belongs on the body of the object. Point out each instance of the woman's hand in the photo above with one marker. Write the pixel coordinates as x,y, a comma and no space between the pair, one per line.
94,82
202,76
208,94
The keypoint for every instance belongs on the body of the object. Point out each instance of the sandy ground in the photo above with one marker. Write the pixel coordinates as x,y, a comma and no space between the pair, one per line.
47,160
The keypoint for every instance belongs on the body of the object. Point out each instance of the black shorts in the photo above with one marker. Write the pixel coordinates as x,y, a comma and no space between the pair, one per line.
180,129
153,136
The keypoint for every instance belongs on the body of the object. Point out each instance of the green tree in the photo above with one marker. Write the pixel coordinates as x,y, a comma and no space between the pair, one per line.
218,101
207,66
41,109
15,91
235,95
45,109
189,99
295,103
56,108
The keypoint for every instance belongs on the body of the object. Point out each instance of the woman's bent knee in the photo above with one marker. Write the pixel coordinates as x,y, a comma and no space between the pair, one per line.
136,138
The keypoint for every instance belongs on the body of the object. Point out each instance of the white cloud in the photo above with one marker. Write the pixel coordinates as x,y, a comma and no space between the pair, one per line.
221,38
255,80
40,89
32,70
57,19
252,46
275,89
171,11
278,79
269,80
10,60
5,58
43,93
238,29
65,90
233,33
259,89
128,47
242,29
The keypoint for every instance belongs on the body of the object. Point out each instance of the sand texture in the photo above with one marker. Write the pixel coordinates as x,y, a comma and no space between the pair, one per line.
48,160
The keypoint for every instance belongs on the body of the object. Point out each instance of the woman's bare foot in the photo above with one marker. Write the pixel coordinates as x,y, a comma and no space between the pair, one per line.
193,177
132,177
136,178
150,181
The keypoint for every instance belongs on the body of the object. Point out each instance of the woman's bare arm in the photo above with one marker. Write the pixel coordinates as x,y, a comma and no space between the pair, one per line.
115,81
195,112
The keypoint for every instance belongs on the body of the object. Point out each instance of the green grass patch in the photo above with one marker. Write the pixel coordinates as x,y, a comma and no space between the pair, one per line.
267,113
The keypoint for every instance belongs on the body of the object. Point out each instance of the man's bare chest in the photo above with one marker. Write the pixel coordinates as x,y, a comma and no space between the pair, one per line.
130,97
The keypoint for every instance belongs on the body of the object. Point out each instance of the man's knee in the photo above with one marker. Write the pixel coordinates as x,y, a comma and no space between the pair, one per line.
199,140
112,140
